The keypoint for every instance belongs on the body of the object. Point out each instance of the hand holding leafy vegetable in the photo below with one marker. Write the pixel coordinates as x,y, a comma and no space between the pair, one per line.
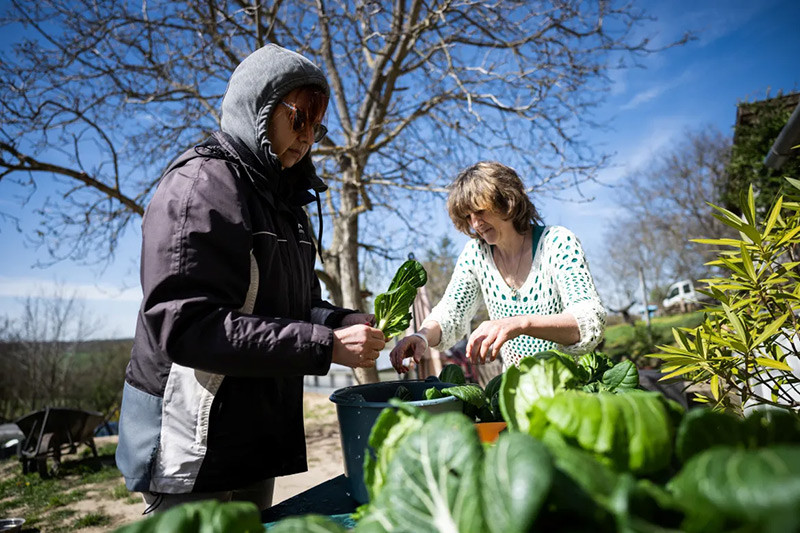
392,307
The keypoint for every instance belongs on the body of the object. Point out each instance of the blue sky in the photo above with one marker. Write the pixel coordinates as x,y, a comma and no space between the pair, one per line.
744,49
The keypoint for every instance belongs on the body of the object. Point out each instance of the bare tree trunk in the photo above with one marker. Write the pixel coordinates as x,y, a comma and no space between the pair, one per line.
348,257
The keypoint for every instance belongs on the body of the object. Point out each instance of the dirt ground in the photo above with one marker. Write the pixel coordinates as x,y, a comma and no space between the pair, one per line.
324,462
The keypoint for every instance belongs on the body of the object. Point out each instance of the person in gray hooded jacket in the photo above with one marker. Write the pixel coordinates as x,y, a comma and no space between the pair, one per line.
232,318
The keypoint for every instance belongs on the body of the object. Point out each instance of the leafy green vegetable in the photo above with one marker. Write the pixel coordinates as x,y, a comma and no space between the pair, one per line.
391,427
523,386
622,377
631,431
594,365
433,481
517,473
202,517
771,425
452,374
304,524
702,429
433,394
493,387
392,307
472,396
757,487
402,393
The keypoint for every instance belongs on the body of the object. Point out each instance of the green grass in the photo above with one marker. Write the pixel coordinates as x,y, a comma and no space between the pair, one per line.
120,491
624,340
93,519
41,501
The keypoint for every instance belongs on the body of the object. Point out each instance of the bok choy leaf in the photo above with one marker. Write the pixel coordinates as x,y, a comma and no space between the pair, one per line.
392,307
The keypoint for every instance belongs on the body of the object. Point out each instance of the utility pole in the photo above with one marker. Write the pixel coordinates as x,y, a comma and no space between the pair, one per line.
644,298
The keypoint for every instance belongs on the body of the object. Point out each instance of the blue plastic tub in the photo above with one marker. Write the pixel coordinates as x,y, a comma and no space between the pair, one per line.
358,407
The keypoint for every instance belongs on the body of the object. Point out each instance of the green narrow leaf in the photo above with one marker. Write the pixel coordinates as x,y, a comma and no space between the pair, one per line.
773,215
770,330
747,261
720,242
772,363
715,386
788,236
794,183
750,208
681,371
737,325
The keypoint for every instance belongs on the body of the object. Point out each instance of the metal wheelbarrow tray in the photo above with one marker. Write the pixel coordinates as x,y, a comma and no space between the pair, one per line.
53,431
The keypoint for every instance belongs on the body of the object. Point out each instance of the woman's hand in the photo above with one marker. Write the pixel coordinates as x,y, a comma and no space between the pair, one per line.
485,342
353,319
410,346
357,346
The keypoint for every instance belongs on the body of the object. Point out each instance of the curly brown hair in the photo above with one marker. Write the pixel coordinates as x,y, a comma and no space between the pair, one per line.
491,186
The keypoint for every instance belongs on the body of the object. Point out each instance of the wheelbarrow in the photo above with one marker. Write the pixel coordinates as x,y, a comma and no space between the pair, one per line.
53,431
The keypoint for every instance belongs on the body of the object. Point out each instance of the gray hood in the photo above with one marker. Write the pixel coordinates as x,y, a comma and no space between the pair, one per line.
257,85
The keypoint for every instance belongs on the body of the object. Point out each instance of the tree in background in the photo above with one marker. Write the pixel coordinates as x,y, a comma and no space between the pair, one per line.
758,125
46,360
101,95
666,206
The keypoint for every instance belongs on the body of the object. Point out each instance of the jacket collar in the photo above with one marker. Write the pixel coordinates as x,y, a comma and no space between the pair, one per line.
292,185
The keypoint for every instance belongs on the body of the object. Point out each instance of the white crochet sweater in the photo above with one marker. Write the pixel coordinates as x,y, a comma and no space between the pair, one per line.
559,281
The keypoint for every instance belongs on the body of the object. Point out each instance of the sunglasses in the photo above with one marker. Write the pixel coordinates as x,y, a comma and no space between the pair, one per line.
300,121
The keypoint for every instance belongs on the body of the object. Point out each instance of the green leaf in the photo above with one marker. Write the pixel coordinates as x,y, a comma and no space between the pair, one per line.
793,182
402,393
302,524
633,431
749,210
536,377
391,427
773,215
770,330
433,394
720,242
433,481
452,374
621,377
517,474
768,426
747,261
392,307
471,396
202,517
738,327
493,387
772,363
755,487
702,428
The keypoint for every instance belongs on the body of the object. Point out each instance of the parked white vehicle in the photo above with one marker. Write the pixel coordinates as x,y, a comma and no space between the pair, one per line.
683,294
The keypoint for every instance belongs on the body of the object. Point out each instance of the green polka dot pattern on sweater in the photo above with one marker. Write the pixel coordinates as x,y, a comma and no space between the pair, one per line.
559,281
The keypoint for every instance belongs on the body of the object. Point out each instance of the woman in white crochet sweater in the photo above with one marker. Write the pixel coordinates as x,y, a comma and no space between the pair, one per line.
533,278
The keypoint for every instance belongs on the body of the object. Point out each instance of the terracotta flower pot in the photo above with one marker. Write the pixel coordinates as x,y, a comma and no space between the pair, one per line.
489,431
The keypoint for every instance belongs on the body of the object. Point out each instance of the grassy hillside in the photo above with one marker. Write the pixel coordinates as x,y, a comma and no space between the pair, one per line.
633,342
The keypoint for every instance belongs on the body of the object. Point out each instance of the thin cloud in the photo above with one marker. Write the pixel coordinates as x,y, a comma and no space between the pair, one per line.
645,96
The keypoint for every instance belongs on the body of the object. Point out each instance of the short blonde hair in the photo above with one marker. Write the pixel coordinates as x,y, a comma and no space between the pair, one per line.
490,186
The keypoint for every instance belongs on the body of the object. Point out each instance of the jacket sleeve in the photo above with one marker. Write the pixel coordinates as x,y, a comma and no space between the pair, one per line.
324,312
196,264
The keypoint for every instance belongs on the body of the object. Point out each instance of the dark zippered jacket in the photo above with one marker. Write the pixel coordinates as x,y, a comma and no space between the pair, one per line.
230,323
